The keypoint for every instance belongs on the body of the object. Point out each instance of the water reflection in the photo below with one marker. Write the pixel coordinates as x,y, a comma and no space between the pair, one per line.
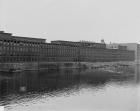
18,86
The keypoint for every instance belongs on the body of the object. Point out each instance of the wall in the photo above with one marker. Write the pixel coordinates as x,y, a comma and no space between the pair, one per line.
136,48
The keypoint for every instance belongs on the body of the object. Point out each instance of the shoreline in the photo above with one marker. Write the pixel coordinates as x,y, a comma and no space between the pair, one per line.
103,66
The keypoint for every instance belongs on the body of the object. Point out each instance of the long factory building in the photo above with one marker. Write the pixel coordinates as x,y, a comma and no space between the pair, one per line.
26,49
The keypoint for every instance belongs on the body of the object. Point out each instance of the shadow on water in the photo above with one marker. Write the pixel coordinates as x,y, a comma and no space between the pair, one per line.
17,86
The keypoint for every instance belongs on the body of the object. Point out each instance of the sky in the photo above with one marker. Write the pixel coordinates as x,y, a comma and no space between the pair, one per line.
116,21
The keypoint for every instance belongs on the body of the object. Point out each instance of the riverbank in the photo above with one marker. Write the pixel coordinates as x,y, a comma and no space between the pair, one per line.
115,67
103,66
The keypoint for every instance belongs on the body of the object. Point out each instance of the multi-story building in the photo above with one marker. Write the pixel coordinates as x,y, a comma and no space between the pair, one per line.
19,49
116,46
15,49
135,47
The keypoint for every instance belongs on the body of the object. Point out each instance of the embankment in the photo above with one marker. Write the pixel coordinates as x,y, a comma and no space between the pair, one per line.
104,66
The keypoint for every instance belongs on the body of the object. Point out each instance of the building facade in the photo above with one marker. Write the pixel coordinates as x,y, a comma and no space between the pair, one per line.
19,49
136,48
15,49
116,46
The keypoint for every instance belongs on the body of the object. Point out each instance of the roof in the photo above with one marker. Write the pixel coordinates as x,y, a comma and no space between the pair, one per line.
4,35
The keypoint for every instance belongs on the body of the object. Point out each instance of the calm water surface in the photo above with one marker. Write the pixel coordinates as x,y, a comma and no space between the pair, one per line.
70,90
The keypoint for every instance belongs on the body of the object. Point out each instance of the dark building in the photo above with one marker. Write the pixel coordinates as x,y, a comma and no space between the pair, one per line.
19,49
14,49
94,52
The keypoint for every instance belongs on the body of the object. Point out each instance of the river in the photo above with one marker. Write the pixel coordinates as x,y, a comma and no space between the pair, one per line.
70,90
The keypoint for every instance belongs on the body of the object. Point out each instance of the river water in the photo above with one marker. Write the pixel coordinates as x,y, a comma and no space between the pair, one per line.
70,90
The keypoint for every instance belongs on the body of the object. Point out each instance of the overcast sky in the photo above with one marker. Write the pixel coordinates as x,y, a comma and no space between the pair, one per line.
92,20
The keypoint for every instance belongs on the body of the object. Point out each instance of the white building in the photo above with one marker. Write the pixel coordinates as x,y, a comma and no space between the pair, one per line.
112,46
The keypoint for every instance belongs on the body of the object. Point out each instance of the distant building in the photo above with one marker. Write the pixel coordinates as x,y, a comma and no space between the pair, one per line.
80,44
19,49
135,47
116,46
16,49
